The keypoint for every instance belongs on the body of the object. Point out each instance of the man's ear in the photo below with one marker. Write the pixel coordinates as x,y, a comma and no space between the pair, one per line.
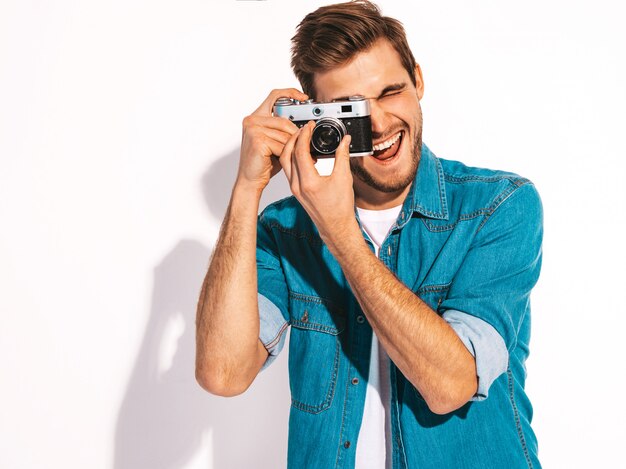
419,81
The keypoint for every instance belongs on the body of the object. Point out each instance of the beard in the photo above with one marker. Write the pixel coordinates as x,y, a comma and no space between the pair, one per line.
398,183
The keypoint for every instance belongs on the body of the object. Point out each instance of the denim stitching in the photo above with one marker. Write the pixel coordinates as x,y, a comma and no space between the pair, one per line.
314,299
473,178
500,200
343,420
519,182
463,217
338,317
428,213
438,229
442,192
475,214
518,424
329,395
313,326
443,201
276,339
314,240
476,178
395,411
433,288
486,212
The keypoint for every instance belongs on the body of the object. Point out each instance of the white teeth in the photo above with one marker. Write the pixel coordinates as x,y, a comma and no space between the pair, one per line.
387,143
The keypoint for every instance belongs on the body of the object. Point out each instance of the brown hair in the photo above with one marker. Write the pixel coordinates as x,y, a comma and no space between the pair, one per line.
332,35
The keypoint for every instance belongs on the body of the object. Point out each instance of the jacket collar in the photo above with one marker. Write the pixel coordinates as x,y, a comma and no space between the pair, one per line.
427,194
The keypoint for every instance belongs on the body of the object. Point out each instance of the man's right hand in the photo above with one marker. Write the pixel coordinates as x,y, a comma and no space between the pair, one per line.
263,139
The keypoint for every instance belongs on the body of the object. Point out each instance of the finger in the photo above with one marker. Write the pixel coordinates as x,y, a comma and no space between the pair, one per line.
277,135
295,178
285,156
342,156
266,106
302,154
268,122
275,147
268,148
275,166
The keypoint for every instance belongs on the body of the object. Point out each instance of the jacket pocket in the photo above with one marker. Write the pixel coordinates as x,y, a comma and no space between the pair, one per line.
314,352
433,295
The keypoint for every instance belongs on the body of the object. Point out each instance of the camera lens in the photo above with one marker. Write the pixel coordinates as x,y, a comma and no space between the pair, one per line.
327,135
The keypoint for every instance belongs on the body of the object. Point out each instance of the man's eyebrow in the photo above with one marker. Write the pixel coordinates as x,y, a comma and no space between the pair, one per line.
387,89
394,87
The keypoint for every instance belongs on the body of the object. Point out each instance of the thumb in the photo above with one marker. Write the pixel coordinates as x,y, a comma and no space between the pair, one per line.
342,155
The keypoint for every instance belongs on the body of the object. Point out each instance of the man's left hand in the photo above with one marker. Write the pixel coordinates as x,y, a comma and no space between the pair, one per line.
329,200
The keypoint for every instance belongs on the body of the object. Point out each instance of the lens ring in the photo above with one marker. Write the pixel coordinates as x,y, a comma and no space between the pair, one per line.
327,135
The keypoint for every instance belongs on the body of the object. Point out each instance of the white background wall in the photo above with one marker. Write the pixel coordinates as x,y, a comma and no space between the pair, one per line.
119,132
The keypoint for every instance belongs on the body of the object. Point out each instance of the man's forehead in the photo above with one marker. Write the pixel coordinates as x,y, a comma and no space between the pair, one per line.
337,87
367,74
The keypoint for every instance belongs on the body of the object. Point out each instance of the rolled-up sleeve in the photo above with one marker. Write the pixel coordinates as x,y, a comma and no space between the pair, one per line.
485,345
494,282
272,294
273,328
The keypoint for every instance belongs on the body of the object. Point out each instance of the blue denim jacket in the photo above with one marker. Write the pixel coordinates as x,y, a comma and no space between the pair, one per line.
466,240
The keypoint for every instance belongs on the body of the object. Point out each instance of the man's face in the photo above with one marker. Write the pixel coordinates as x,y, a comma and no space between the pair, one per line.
378,74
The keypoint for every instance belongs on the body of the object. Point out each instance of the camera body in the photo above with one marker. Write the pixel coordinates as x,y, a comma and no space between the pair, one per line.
332,121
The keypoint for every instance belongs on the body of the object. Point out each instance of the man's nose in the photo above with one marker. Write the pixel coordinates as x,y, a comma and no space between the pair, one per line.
379,118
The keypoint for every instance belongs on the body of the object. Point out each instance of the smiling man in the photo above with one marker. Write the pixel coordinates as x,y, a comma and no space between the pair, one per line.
405,277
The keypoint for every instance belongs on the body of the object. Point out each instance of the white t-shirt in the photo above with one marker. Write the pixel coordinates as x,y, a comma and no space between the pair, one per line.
373,450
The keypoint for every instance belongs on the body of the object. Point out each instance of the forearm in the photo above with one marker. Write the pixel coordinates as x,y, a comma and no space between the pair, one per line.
227,322
421,344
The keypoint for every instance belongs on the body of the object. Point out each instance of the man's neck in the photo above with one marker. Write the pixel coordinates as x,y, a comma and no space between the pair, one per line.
371,199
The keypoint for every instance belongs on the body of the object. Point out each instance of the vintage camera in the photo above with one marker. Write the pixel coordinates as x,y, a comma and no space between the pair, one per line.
332,121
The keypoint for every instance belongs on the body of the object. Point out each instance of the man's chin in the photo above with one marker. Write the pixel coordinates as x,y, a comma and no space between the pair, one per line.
390,185
387,187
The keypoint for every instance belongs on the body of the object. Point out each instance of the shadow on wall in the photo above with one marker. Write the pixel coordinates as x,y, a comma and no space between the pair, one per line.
165,414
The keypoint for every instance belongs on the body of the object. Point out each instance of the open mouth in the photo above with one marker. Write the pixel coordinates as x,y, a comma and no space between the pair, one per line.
388,149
